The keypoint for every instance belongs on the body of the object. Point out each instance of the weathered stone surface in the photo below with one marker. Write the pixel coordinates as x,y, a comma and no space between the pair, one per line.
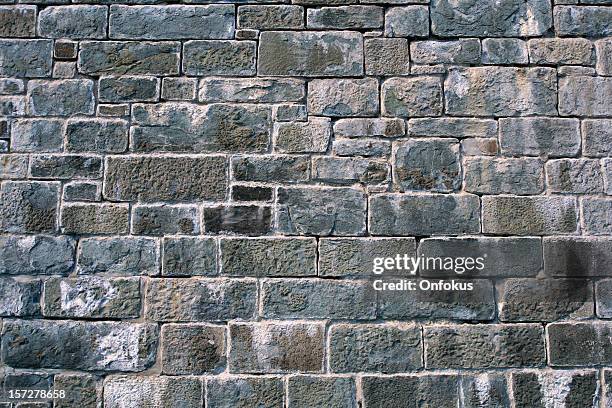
509,18
276,169
387,56
268,256
577,256
65,167
11,86
165,220
553,137
317,299
290,112
37,135
344,97
26,58
36,255
321,211
237,219
302,137
61,97
485,175
81,390
65,49
430,165
561,51
569,388
500,91
452,127
251,90
200,299
407,21
97,135
362,147
504,51
245,392
464,51
102,346
578,176
19,297
163,391
350,170
118,256
77,21
424,214
186,256
310,54
363,127
603,49
179,89
104,219
92,297
587,21
345,17
219,58
585,96
128,89
490,346
597,137
480,146
252,193
412,97
171,22
184,127
288,347
13,166
192,349
332,392
17,21
28,207
596,216
128,58
579,344
13,106
603,298
270,17
82,191
165,178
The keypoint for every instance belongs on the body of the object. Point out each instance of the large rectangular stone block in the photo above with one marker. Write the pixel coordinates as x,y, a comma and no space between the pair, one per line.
29,207
577,256
550,388
483,175
36,255
194,349
17,21
412,97
583,20
307,391
343,97
186,256
103,219
149,391
19,297
77,21
579,344
251,90
61,97
123,256
551,137
26,58
585,96
245,392
206,58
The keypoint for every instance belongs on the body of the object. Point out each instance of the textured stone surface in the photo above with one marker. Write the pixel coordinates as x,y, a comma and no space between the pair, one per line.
36,135
28,206
192,349
105,219
504,176
26,58
585,96
346,97
79,22
554,137
579,344
410,97
186,256
37,255
133,391
60,98
533,388
219,58
245,392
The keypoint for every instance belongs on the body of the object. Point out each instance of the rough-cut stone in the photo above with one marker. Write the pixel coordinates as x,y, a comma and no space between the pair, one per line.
102,346
310,54
245,392
587,21
270,17
65,49
252,193
577,256
17,21
268,257
350,170
482,18
97,135
362,147
165,220
192,349
287,347
484,346
332,392
596,216
412,97
302,137
13,166
603,298
128,89
343,97
577,176
597,137
387,56
465,51
171,22
105,219
207,58
276,169
561,51
552,137
251,90
565,388
504,51
585,96
485,175
407,21
148,391
28,207
82,390
36,255
290,112
19,297
501,91
345,17
82,191
187,256
178,89
363,127
11,86
61,97
579,344
603,49
37,135
118,256
424,214
165,178
76,21
452,127
237,219
26,58
200,299
65,167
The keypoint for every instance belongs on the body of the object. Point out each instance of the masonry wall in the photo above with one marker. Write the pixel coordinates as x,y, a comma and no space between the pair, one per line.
193,196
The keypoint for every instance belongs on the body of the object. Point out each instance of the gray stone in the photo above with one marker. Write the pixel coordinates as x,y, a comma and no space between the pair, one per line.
503,256
245,392
583,21
268,257
480,146
504,51
482,18
345,17
128,58
350,170
362,147
604,56
82,191
36,255
343,97
596,216
184,127
252,193
302,137
186,256
37,135
310,54
193,349
82,390
585,96
380,348
552,137
12,106
28,207
251,90
200,299
424,214
412,97
11,86
577,256
603,298
97,135
149,391
165,220
270,17
464,51
579,344
289,113
206,58
485,175
103,219
429,165
288,347
237,219
128,89
61,97
275,169
92,297
65,167
570,388
407,21
19,297
13,166
331,392
179,89
387,56
317,299
364,127
64,69
577,176
529,215
484,346
607,173
101,346
18,21
321,211
452,127
113,110
75,21
501,91
26,58
597,137
125,256
561,51
170,22
165,178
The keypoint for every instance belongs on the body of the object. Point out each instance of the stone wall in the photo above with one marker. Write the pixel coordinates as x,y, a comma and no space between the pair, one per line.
193,196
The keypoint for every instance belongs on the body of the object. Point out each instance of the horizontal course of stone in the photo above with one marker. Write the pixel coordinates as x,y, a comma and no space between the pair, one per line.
192,195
